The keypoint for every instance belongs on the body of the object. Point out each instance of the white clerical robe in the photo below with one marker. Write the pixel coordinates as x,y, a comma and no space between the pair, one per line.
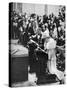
45,34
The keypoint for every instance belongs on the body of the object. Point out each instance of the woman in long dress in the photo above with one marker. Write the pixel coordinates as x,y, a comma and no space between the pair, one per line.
50,46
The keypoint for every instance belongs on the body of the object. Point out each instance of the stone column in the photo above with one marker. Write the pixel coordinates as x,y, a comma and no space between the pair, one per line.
19,7
46,9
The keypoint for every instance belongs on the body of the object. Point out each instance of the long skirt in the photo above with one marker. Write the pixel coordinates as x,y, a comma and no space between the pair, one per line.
52,67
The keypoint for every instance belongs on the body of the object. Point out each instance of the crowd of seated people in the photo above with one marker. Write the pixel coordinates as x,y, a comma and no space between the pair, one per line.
33,27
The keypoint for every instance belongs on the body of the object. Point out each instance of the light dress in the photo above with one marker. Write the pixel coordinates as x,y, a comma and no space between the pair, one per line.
51,65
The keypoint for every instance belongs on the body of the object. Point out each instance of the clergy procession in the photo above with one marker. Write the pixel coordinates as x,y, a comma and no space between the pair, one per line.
44,39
